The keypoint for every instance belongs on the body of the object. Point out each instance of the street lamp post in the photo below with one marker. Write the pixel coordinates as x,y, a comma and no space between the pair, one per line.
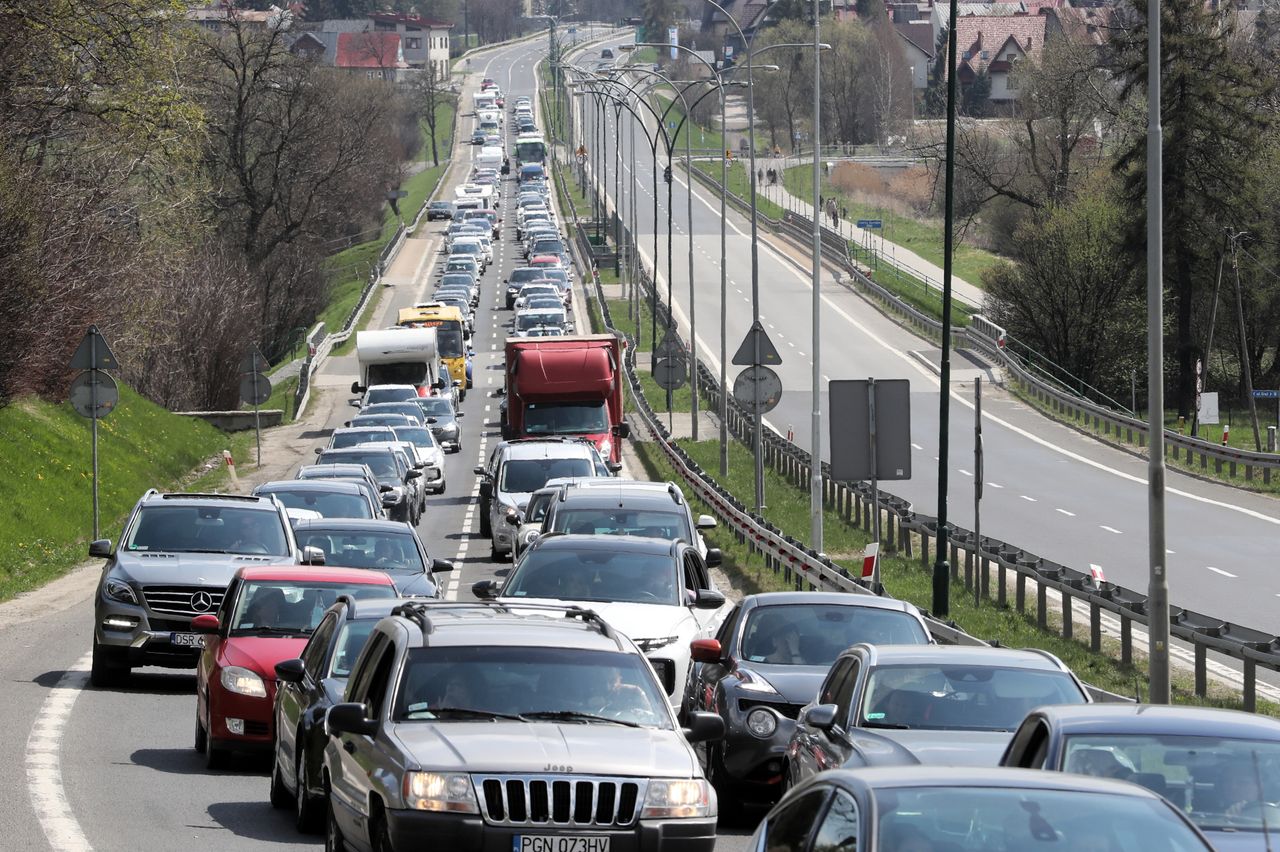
815,423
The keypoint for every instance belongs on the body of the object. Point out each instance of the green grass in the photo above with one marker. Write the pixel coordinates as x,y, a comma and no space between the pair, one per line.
47,478
924,237
282,393
740,185
703,138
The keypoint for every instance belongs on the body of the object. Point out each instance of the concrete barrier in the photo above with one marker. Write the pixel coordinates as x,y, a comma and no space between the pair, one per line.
237,421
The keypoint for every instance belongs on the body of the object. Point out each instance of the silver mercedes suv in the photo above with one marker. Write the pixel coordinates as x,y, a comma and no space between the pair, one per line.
474,726
175,557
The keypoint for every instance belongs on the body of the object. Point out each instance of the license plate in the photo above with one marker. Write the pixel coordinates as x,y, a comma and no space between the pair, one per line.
559,843
186,640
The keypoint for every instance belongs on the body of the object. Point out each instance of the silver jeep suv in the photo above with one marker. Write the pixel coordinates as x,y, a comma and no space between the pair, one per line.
472,726
175,558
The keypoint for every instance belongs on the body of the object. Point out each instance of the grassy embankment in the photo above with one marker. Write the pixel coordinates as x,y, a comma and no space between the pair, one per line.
46,484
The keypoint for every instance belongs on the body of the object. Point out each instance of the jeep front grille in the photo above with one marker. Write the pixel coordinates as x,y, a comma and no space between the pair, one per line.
185,601
559,800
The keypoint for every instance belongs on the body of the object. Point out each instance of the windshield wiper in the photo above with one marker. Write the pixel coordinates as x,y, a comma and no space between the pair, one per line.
265,630
893,726
575,716
465,712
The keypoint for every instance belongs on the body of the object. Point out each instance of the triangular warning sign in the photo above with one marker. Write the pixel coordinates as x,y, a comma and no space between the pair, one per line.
94,353
254,361
746,354
669,346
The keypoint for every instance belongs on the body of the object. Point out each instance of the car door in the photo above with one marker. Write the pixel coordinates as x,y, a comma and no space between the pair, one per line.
348,755
697,578
807,753
293,700
792,824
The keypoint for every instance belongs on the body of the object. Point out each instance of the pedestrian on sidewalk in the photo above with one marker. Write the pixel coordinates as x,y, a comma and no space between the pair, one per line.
844,213
820,204
760,175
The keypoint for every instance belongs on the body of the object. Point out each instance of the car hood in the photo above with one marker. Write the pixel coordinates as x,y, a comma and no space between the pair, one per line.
945,748
797,684
637,620
196,569
530,747
261,653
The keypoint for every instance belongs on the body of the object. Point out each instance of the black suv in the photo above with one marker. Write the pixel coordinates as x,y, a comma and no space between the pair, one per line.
482,727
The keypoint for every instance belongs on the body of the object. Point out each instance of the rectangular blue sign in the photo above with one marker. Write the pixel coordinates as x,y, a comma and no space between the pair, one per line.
1266,394
868,224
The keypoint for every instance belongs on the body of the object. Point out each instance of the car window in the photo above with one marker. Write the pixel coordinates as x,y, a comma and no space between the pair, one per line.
695,573
366,662
208,529
346,650
378,550
844,692
728,626
524,476
614,521
788,830
318,646
817,633
839,829
379,683
827,694
593,575
328,505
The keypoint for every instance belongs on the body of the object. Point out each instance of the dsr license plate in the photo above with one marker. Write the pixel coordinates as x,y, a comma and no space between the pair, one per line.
559,843
186,640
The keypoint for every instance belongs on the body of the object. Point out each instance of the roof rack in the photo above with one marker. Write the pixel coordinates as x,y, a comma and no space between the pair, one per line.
590,616
418,613
182,495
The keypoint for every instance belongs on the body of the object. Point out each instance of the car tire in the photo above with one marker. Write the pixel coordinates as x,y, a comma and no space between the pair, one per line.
104,672
380,834
307,815
202,738
333,841
214,756
279,794
495,555
727,790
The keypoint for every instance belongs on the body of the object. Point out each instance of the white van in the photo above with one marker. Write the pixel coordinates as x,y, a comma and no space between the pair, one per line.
489,157
486,101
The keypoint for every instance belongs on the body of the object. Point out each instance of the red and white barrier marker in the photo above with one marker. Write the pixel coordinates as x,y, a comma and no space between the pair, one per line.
231,468
870,556
1098,576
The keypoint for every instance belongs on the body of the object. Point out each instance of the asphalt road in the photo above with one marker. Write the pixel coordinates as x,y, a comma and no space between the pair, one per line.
114,769
1049,489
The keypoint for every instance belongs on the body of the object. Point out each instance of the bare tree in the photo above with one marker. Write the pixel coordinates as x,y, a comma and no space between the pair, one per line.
430,94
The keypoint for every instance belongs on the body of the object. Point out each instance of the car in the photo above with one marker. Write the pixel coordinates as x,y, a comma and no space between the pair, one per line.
265,617
442,419
408,408
176,555
390,547
472,247
919,809
627,507
439,209
766,663
400,499
477,137
494,729
377,394
354,436
537,288
519,278
357,473
952,705
429,453
1220,767
462,263
529,319
660,593
307,686
329,498
410,460
516,469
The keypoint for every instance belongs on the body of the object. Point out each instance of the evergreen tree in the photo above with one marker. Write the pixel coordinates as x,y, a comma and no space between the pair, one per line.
659,16
975,99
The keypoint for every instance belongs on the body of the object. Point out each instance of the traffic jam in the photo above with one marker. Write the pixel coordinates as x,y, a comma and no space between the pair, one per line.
604,689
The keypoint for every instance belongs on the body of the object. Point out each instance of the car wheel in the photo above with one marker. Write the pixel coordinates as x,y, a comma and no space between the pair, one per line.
380,834
727,792
202,737
103,671
333,841
307,817
495,555
280,797
214,757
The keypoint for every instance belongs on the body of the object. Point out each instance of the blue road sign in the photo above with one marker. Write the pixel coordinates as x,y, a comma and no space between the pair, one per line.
1266,394
868,224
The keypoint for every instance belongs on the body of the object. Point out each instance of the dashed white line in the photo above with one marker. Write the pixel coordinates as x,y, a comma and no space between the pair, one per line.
1110,529
1220,571
1028,499
44,761
1065,512
995,485
965,472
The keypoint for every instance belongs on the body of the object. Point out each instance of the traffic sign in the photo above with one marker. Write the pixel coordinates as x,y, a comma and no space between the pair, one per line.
746,354
94,394
1266,394
758,390
670,372
669,347
254,361
870,224
93,353
255,388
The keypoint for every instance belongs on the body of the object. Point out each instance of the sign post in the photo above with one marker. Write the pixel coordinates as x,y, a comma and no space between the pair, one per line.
758,352
94,394
255,389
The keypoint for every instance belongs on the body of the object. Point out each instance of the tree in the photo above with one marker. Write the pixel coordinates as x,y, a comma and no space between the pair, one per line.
430,93
658,16
975,98
782,98
935,93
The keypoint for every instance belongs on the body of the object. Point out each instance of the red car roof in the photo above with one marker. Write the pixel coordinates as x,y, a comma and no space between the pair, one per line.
314,574
544,258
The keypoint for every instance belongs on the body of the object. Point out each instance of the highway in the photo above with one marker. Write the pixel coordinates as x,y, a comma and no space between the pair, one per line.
1049,489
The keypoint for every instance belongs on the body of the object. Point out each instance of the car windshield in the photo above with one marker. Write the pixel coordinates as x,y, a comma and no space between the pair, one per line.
461,279
524,476
568,685
377,395
955,697
525,274
293,607
329,505
615,521
449,338
536,302
938,818
381,463
384,550
417,435
547,247
566,418
593,574
526,321
408,408
436,406
815,634
351,639
208,529
1222,784
379,420
343,438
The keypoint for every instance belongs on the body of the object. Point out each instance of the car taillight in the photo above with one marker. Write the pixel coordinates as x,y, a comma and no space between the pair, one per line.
424,391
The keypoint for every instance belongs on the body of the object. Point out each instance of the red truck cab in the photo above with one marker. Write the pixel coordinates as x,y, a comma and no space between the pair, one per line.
569,386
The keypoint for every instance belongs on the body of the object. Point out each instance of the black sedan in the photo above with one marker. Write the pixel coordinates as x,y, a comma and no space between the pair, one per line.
442,419
1221,767
922,809
768,661
308,687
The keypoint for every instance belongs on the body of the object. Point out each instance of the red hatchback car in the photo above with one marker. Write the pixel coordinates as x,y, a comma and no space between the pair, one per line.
266,616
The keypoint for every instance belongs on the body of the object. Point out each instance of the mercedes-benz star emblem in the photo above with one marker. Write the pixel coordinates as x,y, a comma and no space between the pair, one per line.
202,602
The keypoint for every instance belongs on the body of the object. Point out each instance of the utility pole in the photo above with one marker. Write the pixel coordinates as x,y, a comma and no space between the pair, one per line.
1244,342
815,417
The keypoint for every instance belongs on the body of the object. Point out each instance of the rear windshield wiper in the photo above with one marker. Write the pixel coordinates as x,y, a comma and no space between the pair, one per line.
575,716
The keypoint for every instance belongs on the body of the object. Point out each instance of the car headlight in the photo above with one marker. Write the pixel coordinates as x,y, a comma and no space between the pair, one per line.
242,681
435,791
762,722
750,682
681,798
119,590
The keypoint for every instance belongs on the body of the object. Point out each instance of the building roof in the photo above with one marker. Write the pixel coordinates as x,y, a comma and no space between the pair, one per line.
918,33
369,50
991,33
410,20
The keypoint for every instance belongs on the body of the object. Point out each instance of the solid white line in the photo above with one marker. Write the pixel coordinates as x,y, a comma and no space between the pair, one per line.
1065,512
1220,571
1110,529
44,761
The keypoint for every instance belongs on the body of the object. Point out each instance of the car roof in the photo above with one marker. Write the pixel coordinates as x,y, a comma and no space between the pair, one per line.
881,777
1158,719
360,449
472,624
320,573
962,655
766,599
353,525
348,430
332,486
365,609
623,543
537,449
621,498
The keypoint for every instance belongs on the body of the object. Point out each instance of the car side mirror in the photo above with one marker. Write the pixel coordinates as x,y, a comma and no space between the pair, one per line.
431,420
704,727
290,671
715,558
457,384
506,280
613,466
706,522
207,623
821,716
460,414
100,547
412,474
485,590
512,519
442,566
706,650
383,489
354,403
357,388
312,555
621,430
478,470
319,450
708,599
349,719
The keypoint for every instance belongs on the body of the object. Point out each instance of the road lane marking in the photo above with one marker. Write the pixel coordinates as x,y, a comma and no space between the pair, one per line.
1220,571
1110,529
1065,512
916,447
1028,499
995,485
44,761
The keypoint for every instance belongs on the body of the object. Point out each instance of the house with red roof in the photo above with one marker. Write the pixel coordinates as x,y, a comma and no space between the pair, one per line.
378,56
425,41
995,44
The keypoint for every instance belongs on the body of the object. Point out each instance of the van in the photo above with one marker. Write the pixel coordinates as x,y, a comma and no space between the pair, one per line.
489,157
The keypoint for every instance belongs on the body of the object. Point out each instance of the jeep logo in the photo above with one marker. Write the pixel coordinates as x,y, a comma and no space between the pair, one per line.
551,767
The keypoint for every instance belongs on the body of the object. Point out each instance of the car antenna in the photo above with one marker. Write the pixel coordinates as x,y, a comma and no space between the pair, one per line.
1137,689
1257,775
